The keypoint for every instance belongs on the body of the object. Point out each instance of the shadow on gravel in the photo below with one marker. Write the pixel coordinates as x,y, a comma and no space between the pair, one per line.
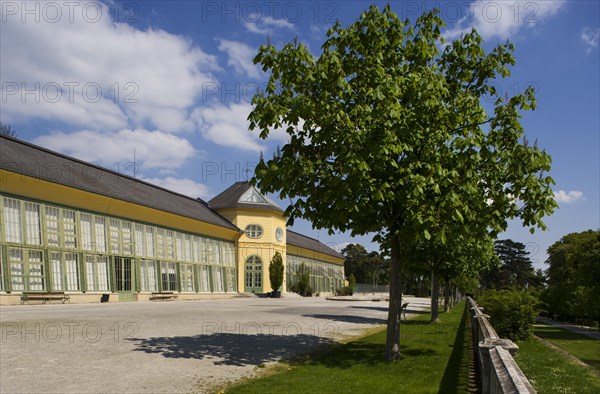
349,318
237,349
385,309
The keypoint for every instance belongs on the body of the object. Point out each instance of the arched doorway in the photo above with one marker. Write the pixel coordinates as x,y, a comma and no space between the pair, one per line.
253,275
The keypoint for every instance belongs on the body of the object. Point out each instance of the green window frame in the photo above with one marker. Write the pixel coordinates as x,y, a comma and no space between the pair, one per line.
114,231
148,275
100,232
254,272
65,268
86,231
96,269
186,273
127,238
168,274
27,270
203,272
13,220
1,269
231,283
217,280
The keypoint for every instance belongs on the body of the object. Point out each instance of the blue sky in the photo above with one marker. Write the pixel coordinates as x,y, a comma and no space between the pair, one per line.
173,81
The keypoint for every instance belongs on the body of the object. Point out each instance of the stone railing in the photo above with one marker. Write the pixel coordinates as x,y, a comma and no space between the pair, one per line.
498,371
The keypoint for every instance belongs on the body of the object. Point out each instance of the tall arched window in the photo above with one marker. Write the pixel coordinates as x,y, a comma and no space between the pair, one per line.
253,274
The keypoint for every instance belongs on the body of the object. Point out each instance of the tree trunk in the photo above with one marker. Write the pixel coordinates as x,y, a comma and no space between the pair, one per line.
392,343
435,294
447,295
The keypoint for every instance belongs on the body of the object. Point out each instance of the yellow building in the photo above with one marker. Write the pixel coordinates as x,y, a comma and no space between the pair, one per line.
75,230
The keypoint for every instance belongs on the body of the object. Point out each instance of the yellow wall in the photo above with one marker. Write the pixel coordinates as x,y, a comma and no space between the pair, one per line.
265,246
37,189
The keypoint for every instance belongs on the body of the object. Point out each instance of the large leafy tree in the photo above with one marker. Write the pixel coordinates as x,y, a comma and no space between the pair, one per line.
514,268
389,136
574,276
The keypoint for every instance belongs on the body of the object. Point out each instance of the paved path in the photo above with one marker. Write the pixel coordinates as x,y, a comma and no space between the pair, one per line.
570,327
174,347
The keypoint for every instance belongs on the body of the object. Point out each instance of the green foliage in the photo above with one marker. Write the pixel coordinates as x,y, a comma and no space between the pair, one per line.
574,277
512,269
421,158
366,267
302,284
276,271
352,281
512,312
344,291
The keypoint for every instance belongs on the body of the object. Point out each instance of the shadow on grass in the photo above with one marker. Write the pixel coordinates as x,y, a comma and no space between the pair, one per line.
231,348
452,374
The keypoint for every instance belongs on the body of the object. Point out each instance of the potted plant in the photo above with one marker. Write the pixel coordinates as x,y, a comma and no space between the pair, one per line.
276,274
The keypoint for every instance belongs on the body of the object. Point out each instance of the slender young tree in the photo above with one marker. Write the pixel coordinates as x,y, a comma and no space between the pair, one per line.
389,136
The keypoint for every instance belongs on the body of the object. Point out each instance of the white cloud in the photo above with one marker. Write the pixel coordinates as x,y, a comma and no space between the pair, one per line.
504,19
153,149
267,25
590,38
145,78
184,186
239,56
227,125
562,196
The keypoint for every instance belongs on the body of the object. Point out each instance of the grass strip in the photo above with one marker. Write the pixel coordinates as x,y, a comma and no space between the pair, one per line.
580,346
435,359
551,372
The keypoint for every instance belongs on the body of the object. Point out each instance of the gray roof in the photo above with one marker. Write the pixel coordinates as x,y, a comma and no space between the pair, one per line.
32,160
302,241
243,195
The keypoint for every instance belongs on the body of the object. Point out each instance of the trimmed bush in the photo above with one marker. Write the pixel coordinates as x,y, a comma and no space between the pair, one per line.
512,312
344,291
302,284
352,281
276,271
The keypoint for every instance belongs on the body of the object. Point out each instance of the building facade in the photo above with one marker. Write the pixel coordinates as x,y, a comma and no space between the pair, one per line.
74,227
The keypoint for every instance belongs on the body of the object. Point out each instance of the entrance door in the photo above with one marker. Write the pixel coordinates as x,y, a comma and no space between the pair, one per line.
124,278
254,275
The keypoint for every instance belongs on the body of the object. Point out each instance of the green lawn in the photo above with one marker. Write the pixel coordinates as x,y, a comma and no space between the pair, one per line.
434,360
550,372
583,347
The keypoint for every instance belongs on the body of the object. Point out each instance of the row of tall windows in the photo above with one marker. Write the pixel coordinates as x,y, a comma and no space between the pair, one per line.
66,250
323,276
67,271
36,224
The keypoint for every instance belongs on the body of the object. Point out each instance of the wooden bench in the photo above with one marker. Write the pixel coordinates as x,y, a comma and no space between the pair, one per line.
163,296
403,309
44,297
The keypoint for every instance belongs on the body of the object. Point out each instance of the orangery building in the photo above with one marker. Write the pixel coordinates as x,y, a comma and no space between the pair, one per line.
72,230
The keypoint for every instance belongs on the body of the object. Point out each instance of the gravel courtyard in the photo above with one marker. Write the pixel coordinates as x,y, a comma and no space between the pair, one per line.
153,347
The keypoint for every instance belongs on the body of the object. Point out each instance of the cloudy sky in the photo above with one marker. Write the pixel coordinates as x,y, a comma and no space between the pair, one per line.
173,81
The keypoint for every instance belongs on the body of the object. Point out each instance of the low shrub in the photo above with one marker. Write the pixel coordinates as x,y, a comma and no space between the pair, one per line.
344,291
512,312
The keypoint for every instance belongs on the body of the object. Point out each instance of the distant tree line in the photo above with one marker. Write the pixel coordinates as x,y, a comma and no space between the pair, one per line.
573,278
